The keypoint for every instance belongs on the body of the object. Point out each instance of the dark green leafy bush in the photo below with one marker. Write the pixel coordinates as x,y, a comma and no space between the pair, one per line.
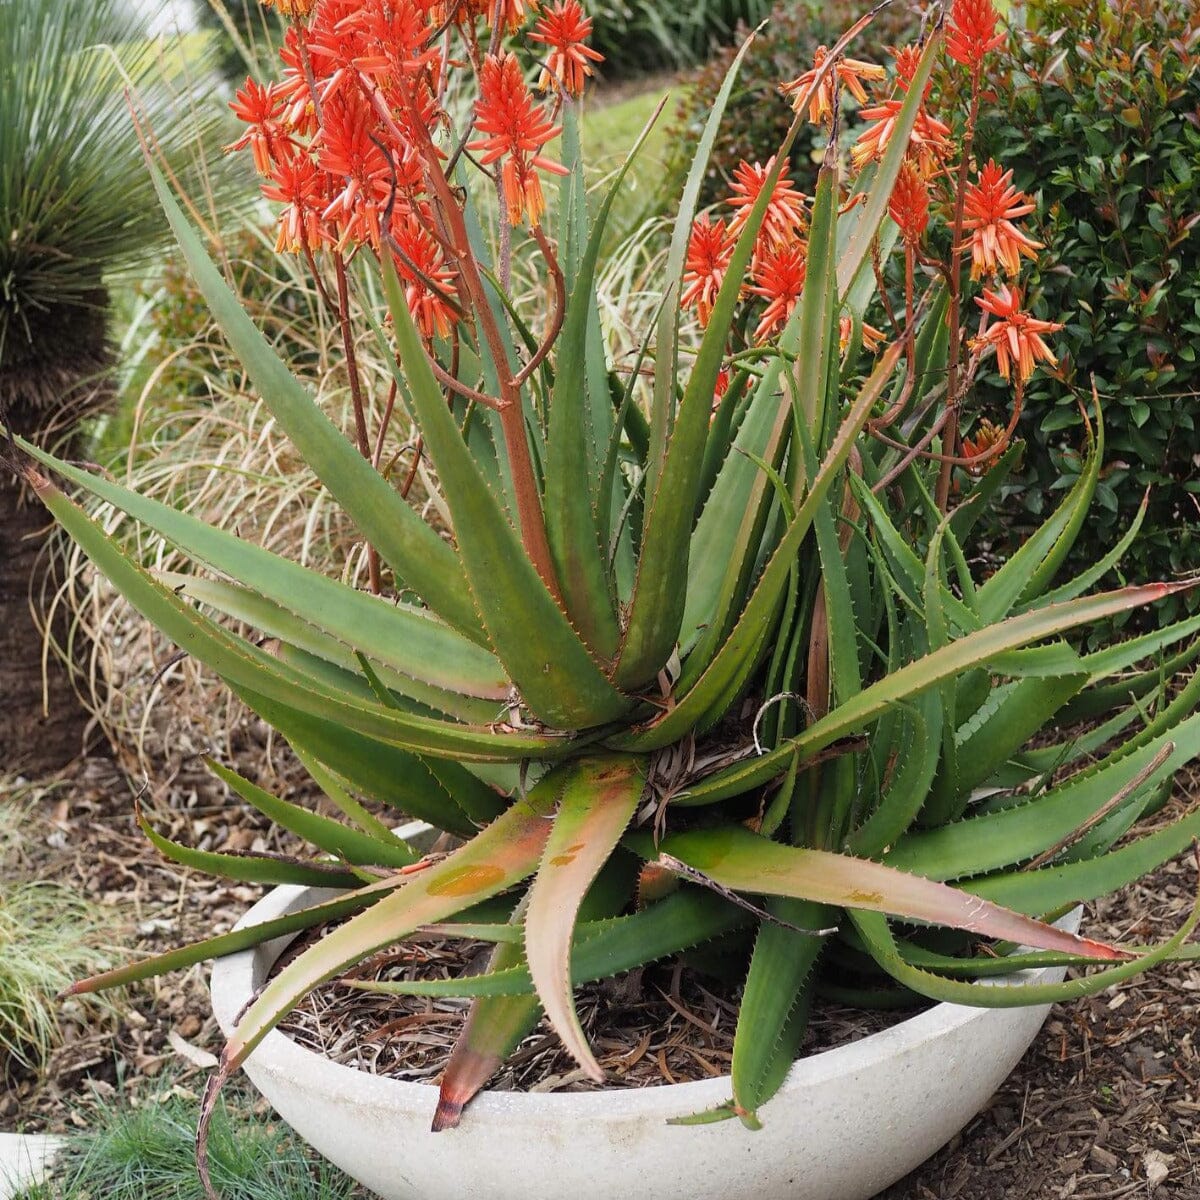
757,116
1096,106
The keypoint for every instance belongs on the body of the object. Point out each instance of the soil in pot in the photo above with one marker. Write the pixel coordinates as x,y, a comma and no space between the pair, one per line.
663,1024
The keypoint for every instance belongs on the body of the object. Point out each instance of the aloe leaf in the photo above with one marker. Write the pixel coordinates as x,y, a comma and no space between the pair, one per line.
407,543
735,659
598,801
572,467
772,1015
915,761
247,867
493,1029
976,649
870,214
350,845
877,935
1028,571
602,948
335,791
551,667
273,620
1015,713
667,354
499,856
739,860
1090,576
984,843
237,939
1054,887
409,639
249,670
377,769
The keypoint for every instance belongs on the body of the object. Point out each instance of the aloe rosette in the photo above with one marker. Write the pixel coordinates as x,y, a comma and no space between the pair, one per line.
735,650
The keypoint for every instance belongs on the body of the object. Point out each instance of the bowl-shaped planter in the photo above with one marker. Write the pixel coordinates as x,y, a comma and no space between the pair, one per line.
846,1123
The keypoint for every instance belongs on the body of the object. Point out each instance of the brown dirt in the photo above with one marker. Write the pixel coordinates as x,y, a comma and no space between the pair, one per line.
1106,1104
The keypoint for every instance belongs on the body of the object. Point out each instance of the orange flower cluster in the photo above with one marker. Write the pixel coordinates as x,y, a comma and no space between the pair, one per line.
847,71
991,205
1016,336
346,137
777,265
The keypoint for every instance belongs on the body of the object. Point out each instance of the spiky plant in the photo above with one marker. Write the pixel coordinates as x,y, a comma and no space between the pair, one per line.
734,650
75,206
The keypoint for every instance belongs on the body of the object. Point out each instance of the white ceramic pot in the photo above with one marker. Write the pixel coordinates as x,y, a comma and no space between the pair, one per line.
846,1123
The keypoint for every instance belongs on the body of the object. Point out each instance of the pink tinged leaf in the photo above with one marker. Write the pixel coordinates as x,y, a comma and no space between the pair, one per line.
494,1026
737,859
498,857
597,804
501,855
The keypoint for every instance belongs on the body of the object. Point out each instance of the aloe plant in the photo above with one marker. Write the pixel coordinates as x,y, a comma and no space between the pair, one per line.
738,645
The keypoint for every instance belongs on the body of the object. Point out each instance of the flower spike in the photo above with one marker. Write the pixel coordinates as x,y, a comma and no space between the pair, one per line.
1016,336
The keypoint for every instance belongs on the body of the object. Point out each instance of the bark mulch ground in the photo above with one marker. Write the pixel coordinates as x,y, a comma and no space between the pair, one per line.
1106,1104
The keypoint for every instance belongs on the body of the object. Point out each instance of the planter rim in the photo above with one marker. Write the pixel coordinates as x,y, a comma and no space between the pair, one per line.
236,977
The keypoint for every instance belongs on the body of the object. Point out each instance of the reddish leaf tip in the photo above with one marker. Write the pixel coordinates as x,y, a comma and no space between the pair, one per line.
447,1114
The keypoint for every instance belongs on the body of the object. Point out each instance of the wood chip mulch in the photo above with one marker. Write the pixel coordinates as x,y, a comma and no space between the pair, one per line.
1106,1104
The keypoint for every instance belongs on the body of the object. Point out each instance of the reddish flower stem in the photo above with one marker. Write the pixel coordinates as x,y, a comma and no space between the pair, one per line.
954,284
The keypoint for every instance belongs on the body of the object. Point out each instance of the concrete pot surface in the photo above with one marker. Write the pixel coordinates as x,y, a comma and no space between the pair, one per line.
846,1123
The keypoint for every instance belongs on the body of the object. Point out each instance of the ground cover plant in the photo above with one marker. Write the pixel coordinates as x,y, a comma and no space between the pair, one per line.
827,724
146,1152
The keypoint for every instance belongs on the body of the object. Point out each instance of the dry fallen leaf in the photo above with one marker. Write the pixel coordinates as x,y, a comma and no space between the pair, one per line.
193,1054
1157,1167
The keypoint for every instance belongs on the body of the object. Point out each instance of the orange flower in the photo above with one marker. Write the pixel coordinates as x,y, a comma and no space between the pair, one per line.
294,10
1016,335
268,136
872,338
565,29
297,184
778,275
785,210
428,281
985,439
990,205
972,31
909,203
849,71
515,129
708,255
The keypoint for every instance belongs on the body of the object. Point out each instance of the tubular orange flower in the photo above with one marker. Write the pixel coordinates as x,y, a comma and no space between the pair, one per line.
428,281
872,338
708,255
990,205
785,210
984,439
1016,335
513,126
565,28
972,31
849,71
297,184
778,275
909,203
929,141
268,137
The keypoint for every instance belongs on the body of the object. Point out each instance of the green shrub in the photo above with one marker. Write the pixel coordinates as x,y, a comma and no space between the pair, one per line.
1096,106
640,35
757,116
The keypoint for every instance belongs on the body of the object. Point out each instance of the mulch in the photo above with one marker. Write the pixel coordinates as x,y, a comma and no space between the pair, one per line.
1106,1103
